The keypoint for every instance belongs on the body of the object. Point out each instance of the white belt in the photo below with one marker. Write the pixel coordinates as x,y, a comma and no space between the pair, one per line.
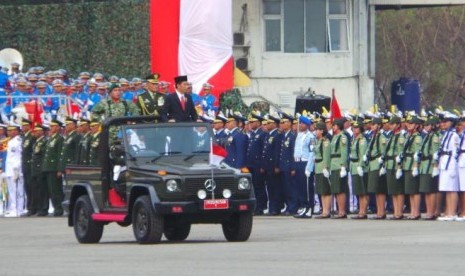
300,159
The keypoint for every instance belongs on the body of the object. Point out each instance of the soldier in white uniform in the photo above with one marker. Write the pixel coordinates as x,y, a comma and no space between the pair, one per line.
461,168
448,175
13,173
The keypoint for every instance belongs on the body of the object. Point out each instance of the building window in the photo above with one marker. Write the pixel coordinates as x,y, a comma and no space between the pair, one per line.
306,26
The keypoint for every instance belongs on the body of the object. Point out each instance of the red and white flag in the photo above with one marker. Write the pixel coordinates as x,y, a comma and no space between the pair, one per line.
335,110
193,38
217,154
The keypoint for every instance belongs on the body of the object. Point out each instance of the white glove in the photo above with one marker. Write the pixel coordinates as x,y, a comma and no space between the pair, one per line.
365,158
326,173
435,172
416,157
415,172
380,160
360,171
398,159
307,173
343,172
399,173
436,156
382,171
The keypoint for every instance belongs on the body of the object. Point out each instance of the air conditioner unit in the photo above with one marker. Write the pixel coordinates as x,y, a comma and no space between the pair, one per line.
242,64
238,39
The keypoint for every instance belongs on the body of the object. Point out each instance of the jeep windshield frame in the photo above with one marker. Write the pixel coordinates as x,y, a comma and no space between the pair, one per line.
177,141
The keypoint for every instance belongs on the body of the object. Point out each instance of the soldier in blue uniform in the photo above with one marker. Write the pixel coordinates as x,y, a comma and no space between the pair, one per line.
303,154
286,164
218,129
269,165
236,143
254,156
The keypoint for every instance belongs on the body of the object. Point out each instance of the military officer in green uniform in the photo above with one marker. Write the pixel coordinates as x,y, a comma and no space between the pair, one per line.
357,168
410,165
94,143
40,196
392,160
28,142
151,101
50,166
69,153
84,143
322,165
376,171
114,106
429,170
339,157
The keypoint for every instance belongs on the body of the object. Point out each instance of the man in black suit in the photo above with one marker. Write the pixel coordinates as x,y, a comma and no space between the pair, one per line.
179,106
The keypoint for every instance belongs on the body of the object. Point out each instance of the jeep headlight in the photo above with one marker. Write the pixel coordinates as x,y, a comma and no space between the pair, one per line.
172,186
243,184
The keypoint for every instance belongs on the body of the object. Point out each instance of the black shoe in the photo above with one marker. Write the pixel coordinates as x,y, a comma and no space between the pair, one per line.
360,217
323,216
340,216
58,214
414,218
42,214
397,218
30,213
378,217
258,213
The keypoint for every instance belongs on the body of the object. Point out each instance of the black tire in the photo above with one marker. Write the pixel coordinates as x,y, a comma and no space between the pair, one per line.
177,231
85,229
238,227
147,225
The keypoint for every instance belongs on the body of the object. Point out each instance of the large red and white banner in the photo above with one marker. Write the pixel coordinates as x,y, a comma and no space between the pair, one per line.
193,38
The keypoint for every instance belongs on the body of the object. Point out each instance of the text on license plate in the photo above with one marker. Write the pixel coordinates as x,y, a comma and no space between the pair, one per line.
211,204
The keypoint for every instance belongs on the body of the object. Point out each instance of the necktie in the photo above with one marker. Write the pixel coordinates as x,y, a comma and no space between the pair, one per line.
183,103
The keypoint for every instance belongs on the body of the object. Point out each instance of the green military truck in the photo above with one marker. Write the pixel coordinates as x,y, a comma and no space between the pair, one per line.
159,178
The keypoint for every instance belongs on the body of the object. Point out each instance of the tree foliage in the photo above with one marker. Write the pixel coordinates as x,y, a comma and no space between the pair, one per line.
111,37
426,44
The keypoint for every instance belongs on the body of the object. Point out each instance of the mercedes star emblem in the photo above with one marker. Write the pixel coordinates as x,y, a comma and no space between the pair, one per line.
210,185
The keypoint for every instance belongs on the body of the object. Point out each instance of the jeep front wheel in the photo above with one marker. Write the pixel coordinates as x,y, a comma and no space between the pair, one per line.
147,225
238,227
177,231
85,229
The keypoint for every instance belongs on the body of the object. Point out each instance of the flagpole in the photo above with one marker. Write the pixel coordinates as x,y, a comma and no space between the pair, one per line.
211,165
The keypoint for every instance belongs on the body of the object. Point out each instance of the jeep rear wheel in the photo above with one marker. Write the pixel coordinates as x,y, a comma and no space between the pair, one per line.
238,227
177,231
85,229
147,225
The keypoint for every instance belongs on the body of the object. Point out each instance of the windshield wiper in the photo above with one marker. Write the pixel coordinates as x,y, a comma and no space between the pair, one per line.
201,151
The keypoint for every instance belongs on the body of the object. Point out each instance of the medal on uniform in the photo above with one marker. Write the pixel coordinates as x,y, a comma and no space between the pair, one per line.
161,101
26,143
286,143
270,140
257,136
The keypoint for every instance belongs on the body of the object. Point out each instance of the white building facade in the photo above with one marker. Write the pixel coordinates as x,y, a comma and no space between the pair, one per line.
290,46
293,45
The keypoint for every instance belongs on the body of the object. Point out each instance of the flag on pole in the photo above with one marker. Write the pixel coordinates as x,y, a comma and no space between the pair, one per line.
217,154
335,110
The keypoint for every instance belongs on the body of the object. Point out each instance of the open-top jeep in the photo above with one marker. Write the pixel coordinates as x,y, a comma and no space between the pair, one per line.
157,177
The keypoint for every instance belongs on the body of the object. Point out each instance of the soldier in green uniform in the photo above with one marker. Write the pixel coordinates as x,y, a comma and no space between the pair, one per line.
410,165
429,170
339,157
376,171
94,143
322,165
151,101
114,106
357,170
40,197
83,146
394,174
28,142
50,166
69,153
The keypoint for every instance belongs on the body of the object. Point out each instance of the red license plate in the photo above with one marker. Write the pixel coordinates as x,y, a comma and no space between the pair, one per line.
212,204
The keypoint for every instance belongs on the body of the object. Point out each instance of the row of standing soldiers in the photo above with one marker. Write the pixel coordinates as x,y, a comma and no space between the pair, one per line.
370,157
46,153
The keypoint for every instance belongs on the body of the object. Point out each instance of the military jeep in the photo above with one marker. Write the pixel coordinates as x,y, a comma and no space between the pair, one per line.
157,177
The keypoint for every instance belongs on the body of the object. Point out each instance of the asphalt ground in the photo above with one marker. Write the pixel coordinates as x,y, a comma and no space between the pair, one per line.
277,246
